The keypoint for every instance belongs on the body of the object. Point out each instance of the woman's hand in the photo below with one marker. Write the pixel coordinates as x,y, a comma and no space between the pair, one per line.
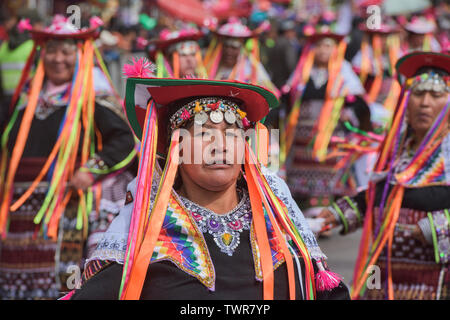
418,234
81,180
329,217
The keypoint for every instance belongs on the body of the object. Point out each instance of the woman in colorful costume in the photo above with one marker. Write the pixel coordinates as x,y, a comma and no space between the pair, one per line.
324,94
233,54
177,54
420,35
65,148
375,65
405,211
205,229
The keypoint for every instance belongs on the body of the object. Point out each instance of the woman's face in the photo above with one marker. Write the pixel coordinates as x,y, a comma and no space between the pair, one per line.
423,108
188,64
59,61
212,155
324,50
231,51
416,40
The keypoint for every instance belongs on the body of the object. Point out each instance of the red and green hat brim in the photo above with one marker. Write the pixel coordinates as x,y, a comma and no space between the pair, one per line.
256,100
408,65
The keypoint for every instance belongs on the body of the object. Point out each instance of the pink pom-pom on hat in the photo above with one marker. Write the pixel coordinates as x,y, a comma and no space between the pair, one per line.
139,68
95,22
24,24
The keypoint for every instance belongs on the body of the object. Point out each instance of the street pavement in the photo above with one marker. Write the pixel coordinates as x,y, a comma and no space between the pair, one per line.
341,252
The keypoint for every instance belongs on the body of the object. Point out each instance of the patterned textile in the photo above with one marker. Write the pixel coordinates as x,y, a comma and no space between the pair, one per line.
436,170
415,273
34,267
306,176
27,262
413,282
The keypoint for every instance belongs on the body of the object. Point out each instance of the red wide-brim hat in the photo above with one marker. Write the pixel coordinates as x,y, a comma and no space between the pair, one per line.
408,65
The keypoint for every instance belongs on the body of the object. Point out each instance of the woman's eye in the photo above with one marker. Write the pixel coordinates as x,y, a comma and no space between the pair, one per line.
437,94
203,134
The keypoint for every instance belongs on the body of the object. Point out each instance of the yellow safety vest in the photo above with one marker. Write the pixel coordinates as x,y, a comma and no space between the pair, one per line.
12,62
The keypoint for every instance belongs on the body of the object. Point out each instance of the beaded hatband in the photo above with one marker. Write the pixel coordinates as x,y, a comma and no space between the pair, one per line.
429,82
215,109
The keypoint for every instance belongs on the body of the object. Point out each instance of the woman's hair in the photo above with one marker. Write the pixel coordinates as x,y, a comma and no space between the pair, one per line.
427,69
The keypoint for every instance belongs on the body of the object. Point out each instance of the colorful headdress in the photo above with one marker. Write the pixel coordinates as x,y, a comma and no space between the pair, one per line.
238,35
321,27
319,32
147,101
168,38
214,109
234,28
79,114
425,169
62,28
420,25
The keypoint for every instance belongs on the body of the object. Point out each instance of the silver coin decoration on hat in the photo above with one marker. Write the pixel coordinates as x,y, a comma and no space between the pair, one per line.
429,82
230,117
216,116
213,108
200,118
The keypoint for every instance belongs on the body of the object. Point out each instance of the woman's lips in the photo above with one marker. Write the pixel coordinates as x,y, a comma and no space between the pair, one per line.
218,165
424,116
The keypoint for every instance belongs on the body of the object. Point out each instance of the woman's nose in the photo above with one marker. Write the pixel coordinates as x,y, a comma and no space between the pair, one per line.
58,57
426,100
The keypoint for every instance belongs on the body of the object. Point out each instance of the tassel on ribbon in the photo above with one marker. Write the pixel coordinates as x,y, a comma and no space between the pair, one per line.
326,280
